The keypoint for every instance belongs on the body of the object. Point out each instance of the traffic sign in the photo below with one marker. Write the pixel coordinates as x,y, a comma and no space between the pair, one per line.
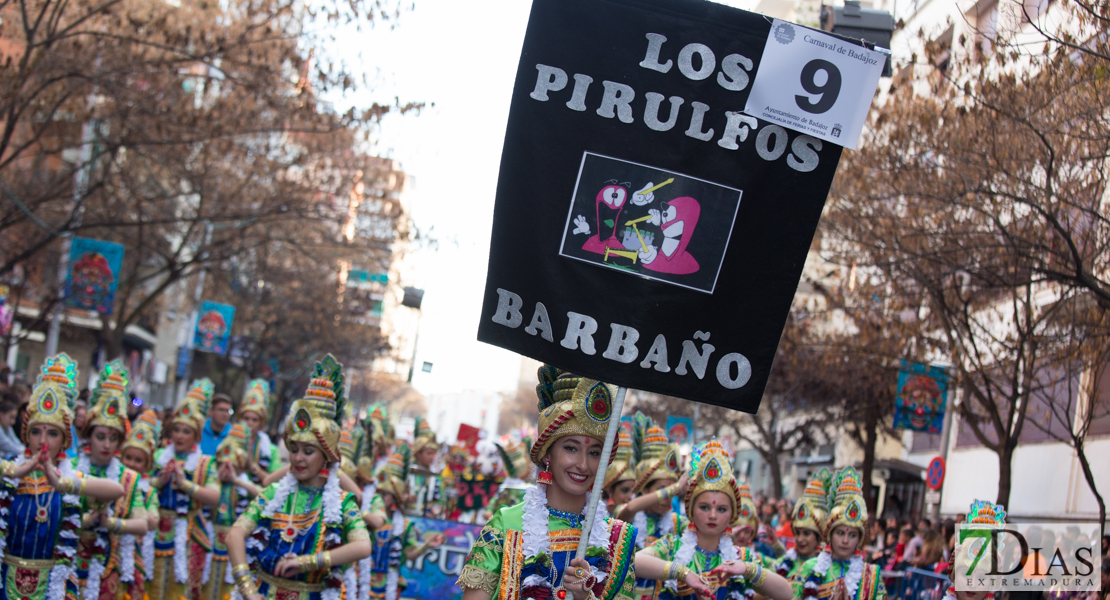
934,478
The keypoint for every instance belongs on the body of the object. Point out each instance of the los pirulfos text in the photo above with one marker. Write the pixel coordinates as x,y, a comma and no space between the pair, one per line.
733,370
616,102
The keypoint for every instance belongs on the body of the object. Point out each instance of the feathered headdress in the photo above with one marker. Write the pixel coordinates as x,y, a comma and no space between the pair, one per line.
393,475
193,409
812,508
847,507
514,454
110,400
570,405
144,435
53,397
314,416
257,399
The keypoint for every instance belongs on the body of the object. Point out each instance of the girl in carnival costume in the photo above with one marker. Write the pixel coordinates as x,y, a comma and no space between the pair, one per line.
106,548
137,454
809,514
983,515
430,485
527,550
236,493
186,481
263,456
395,538
747,525
702,561
295,539
839,572
40,496
658,479
620,477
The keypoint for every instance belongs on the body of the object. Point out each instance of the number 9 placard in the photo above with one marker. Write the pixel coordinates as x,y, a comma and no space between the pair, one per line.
815,83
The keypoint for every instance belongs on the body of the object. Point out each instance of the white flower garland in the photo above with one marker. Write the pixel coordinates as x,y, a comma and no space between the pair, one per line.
393,577
9,484
208,555
534,541
687,545
333,497
264,444
64,573
851,579
286,486
666,524
727,549
366,565
127,558
148,539
96,565
180,523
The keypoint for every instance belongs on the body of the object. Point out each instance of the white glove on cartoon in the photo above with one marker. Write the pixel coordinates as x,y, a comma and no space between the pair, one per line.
641,199
646,256
581,226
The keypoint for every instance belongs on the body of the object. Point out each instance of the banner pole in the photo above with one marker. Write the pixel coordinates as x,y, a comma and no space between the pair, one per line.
599,477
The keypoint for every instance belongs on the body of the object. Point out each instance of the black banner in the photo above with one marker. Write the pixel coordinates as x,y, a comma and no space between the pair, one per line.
646,232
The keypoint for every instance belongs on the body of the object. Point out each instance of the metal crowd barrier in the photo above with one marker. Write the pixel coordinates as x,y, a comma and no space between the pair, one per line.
915,584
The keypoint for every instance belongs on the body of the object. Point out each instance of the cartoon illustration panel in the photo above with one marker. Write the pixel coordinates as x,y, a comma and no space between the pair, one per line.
650,222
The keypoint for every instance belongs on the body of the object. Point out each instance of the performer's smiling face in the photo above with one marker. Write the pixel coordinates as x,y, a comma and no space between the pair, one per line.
653,486
183,438
103,443
844,541
305,460
712,512
45,435
805,541
136,460
251,419
574,461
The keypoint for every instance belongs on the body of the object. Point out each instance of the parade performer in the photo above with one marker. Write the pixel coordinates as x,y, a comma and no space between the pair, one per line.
747,527
137,454
809,514
106,548
41,496
518,473
702,560
658,479
186,481
304,529
432,494
262,454
839,572
380,436
982,515
526,551
620,477
236,492
396,538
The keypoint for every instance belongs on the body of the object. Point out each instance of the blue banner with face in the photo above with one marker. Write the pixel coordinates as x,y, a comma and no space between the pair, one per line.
213,327
433,574
94,267
922,397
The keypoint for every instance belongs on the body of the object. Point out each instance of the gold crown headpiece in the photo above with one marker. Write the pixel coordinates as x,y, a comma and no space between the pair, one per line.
109,400
193,409
53,397
747,515
812,508
711,471
348,464
256,399
233,448
514,454
570,405
313,416
393,475
622,468
658,457
144,436
422,435
848,507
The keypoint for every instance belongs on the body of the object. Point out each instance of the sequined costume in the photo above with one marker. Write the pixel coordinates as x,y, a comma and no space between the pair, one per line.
819,576
522,551
38,529
183,542
290,517
234,500
395,536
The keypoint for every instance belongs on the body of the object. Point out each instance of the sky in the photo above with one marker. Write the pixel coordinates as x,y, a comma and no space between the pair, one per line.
461,56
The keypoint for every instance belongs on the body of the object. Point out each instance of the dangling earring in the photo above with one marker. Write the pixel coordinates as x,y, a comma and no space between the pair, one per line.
545,477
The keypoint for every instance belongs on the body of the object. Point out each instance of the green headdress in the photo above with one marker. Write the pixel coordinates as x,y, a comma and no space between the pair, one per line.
314,416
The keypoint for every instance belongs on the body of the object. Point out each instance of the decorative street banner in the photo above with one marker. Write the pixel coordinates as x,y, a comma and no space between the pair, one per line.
475,491
679,429
214,327
921,398
432,575
94,267
646,232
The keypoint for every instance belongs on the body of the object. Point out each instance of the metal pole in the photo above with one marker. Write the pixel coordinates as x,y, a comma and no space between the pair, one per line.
183,383
80,187
697,423
599,477
945,433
